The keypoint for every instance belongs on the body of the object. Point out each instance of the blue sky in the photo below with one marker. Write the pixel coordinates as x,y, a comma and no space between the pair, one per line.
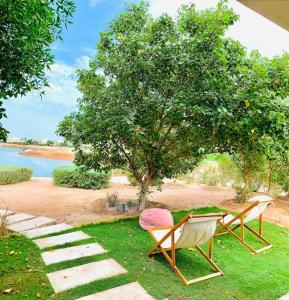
31,116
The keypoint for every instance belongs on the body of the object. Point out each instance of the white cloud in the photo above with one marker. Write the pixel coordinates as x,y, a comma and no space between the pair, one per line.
62,81
53,87
61,69
252,30
157,7
38,117
83,62
89,51
94,3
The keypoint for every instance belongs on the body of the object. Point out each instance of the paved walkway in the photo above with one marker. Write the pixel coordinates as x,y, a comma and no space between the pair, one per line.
37,227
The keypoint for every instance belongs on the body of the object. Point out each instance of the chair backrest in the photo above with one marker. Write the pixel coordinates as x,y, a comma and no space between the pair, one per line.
263,202
256,211
196,231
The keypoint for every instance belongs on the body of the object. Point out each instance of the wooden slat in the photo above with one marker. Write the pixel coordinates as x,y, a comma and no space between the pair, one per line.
204,277
264,249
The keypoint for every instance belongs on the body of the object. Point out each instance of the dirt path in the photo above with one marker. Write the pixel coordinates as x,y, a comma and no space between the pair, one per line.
77,206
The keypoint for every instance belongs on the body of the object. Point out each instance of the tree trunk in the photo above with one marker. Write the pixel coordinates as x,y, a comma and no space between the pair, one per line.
143,193
246,178
270,178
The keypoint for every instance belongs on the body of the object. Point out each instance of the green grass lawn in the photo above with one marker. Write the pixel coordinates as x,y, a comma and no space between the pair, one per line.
247,276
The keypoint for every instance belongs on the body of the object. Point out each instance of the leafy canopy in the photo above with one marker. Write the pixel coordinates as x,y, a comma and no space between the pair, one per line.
27,30
160,93
260,133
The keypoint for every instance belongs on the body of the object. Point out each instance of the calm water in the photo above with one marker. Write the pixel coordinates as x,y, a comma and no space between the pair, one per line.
41,167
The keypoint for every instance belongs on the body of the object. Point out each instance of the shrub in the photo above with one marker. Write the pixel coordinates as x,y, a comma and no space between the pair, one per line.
10,175
215,170
112,199
73,177
131,203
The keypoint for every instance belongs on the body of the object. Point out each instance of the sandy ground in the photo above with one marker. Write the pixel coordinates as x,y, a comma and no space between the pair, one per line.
50,152
77,206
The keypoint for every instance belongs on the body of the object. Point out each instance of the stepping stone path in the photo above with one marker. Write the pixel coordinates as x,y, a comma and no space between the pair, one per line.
33,233
18,217
68,278
61,239
62,280
131,291
31,224
285,297
4,212
71,253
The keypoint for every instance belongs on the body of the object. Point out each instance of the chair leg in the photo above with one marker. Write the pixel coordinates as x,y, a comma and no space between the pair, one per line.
211,248
172,262
242,240
236,227
242,228
209,259
202,278
269,245
238,238
261,224
152,251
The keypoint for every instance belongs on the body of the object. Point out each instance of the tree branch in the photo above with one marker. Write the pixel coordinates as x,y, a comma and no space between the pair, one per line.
162,141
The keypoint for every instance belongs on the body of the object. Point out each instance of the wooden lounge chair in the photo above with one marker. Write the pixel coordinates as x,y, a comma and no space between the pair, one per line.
254,211
191,231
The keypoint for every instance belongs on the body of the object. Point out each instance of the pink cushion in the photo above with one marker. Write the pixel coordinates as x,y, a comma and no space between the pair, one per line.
155,217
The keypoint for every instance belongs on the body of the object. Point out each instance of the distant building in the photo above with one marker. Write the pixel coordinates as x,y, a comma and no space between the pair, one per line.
44,141
15,139
58,142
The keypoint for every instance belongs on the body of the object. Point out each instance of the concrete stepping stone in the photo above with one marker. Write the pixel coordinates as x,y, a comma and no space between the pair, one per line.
31,224
7,212
33,233
71,253
285,297
72,277
61,239
131,291
18,218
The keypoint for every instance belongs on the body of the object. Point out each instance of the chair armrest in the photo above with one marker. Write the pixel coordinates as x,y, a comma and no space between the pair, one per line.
161,228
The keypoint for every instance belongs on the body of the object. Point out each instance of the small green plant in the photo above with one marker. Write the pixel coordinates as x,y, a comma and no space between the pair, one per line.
3,224
10,174
112,199
241,195
73,177
130,203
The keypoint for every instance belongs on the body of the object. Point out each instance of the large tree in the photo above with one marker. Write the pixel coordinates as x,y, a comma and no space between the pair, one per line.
261,123
159,94
27,30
